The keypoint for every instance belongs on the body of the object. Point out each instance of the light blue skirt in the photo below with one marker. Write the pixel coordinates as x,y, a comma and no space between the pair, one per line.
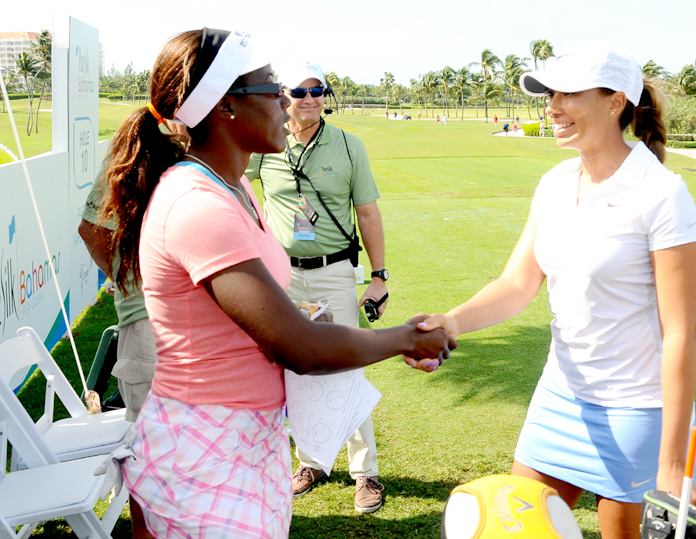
612,452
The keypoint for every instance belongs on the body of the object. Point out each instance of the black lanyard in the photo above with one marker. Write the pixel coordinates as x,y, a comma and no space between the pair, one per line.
296,169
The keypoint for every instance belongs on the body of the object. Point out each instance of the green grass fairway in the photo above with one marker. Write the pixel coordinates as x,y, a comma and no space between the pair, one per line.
110,117
454,201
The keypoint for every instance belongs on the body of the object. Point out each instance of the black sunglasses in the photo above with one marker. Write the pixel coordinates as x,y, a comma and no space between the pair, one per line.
301,93
275,88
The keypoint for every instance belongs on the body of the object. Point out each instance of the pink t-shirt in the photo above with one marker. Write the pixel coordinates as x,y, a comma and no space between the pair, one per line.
194,228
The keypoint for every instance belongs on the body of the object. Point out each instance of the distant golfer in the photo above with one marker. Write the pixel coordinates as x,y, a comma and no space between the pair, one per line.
444,119
542,126
506,128
495,120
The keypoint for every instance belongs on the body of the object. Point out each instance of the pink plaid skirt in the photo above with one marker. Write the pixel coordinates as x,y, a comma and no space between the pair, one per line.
209,471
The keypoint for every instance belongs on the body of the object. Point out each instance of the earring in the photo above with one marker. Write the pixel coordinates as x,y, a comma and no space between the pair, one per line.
232,116
612,112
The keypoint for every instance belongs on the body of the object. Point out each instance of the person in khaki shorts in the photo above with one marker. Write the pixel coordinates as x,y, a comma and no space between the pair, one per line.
324,160
136,354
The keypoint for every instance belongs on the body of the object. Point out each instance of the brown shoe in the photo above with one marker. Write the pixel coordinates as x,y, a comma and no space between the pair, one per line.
304,479
368,494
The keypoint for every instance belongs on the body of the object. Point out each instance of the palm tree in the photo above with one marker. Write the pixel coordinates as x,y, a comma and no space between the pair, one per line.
385,84
415,90
129,82
685,80
488,64
143,82
398,91
362,91
430,82
653,71
545,51
446,81
476,96
534,51
335,83
349,87
462,79
41,51
542,50
512,69
27,69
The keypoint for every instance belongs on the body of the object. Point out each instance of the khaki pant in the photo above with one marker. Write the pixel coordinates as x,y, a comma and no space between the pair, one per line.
336,283
135,365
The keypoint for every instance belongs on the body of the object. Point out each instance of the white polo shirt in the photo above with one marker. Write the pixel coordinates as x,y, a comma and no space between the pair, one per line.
607,345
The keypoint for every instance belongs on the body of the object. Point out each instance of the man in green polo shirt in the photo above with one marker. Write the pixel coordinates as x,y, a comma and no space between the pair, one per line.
309,192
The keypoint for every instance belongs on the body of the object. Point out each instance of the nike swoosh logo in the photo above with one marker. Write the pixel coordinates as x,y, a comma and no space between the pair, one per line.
636,485
689,225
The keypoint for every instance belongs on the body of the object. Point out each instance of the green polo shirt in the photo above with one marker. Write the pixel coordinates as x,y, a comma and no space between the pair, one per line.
129,308
331,172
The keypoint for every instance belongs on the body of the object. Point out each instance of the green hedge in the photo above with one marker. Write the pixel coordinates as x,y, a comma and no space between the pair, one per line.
532,130
119,97
681,144
12,97
680,136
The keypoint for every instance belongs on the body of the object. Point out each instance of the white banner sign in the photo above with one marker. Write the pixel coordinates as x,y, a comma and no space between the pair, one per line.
61,181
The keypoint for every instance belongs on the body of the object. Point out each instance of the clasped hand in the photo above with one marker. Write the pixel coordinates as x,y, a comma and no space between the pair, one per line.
428,324
431,333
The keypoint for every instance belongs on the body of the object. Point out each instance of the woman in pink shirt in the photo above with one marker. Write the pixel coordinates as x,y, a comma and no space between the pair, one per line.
211,455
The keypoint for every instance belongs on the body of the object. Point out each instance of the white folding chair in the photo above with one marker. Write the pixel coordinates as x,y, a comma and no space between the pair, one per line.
48,488
79,436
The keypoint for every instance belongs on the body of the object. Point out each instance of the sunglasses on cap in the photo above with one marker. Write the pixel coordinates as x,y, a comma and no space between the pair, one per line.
301,93
275,88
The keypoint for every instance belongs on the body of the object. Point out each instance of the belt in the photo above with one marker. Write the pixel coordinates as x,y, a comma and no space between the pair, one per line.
316,262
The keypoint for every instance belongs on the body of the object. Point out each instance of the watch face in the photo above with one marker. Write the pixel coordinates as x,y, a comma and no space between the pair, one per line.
382,274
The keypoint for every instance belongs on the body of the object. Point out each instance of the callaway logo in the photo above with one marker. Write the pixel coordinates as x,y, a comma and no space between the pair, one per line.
636,485
525,505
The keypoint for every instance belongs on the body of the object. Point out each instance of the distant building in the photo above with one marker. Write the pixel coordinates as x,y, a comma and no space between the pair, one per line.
13,44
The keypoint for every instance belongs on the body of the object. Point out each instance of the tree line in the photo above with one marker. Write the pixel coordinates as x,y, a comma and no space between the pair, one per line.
491,80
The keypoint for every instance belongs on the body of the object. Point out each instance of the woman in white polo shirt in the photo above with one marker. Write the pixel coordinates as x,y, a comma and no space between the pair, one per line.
613,231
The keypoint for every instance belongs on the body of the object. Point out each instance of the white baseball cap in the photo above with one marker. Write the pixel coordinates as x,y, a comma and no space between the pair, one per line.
589,64
292,75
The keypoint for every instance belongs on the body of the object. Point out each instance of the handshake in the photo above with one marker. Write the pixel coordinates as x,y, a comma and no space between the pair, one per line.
434,325
430,339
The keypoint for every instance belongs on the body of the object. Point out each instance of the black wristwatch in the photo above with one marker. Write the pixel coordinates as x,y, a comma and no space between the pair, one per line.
382,274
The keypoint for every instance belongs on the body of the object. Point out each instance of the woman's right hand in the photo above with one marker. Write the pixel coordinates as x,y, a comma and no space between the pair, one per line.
444,321
432,346
427,325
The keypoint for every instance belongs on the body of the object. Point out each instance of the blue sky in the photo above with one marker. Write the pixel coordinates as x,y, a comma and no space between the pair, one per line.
364,38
